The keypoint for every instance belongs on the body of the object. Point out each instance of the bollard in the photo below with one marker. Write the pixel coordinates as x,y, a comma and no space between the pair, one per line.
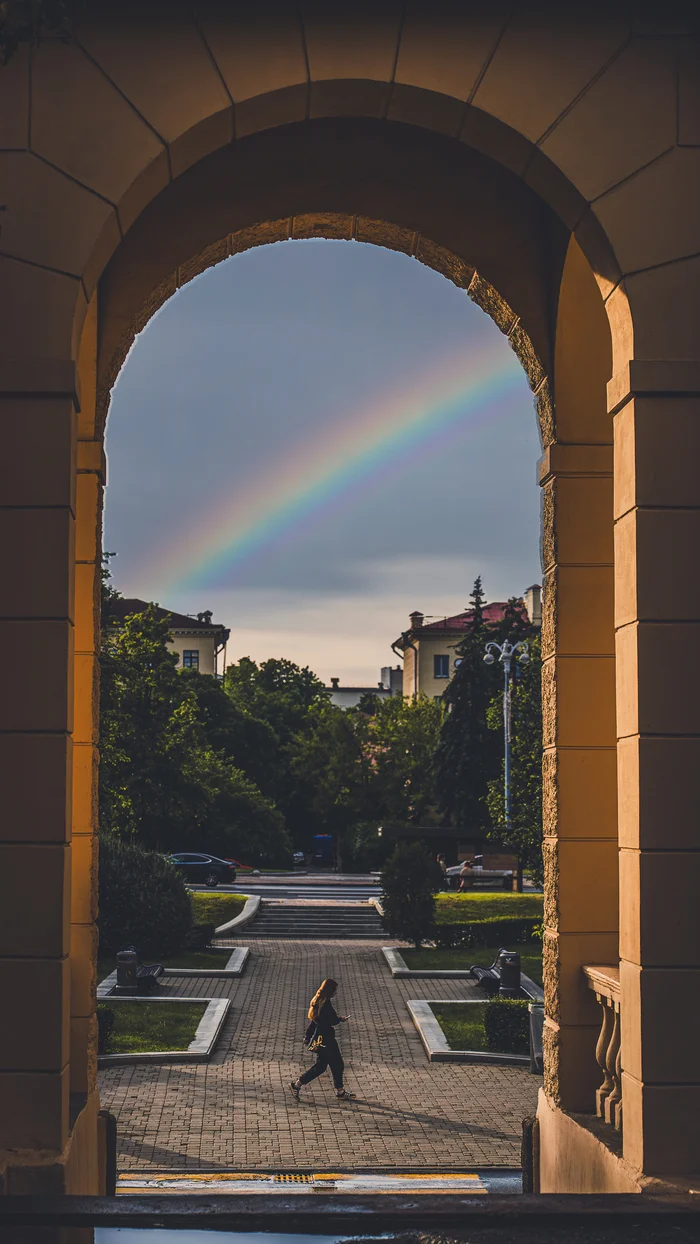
509,964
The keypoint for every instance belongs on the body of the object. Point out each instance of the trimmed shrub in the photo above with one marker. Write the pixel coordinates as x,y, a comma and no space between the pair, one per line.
494,932
143,901
105,1024
199,936
409,879
507,1026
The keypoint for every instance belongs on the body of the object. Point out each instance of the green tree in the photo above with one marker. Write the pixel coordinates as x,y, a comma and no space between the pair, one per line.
229,728
398,743
168,775
327,770
356,769
277,691
525,833
466,757
409,880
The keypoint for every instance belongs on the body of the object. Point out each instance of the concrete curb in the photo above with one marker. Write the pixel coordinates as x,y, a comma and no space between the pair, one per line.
398,967
198,1051
250,911
435,1041
235,966
377,902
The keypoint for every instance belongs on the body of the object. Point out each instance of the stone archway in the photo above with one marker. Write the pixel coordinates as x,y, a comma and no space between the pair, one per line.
142,131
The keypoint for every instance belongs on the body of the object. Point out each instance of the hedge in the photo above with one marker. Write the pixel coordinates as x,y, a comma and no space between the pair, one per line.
494,932
143,901
105,1024
507,1026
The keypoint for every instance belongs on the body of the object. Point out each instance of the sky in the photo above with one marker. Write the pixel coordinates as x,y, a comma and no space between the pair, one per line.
314,439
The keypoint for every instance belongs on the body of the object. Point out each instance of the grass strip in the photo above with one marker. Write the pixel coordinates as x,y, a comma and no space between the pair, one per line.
140,1027
464,908
216,908
459,958
199,959
462,1024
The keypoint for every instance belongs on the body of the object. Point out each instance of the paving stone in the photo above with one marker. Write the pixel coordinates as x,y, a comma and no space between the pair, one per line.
237,1112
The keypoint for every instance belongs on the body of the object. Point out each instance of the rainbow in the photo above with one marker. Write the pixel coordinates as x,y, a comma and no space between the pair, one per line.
320,474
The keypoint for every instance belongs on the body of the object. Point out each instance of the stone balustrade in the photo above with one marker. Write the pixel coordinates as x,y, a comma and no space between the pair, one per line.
605,983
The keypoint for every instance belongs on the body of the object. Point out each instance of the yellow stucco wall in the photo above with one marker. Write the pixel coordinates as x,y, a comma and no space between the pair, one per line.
552,171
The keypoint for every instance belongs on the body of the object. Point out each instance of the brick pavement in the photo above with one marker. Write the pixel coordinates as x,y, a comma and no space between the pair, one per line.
237,1112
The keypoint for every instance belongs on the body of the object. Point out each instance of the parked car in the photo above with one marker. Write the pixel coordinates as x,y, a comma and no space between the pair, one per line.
206,868
241,868
482,876
299,857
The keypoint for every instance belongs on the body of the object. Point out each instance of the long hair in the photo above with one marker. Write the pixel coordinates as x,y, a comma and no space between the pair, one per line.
323,993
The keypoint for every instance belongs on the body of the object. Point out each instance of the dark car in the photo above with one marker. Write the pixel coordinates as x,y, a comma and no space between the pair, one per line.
206,868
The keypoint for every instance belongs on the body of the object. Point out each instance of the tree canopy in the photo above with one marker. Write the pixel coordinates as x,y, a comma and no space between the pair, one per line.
173,752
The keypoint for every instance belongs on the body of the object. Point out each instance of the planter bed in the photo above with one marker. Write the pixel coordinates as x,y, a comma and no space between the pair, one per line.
191,1024
212,908
417,964
233,964
467,907
436,1044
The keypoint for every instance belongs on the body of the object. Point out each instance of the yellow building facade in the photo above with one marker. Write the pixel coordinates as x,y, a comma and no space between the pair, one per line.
546,161
429,646
197,642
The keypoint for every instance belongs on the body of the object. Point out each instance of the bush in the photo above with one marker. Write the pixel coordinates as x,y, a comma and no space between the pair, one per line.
494,932
507,1026
143,901
200,936
105,1024
409,880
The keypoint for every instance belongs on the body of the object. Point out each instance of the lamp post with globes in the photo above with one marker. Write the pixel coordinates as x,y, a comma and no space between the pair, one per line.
506,652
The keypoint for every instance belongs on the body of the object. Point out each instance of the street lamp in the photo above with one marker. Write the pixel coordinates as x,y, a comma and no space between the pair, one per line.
506,651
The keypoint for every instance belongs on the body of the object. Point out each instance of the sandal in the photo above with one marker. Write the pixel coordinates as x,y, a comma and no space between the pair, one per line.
345,1095
296,1089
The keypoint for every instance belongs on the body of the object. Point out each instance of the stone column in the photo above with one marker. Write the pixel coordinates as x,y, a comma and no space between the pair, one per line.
578,644
37,517
580,845
656,407
88,561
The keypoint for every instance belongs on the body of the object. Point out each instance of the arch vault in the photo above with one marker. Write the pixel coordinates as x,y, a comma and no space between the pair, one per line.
547,162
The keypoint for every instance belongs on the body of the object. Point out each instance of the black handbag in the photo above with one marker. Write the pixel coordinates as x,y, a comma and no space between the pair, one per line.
313,1043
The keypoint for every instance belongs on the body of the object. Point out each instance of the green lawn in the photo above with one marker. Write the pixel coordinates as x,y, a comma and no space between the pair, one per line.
461,957
142,1026
463,1025
463,908
216,908
199,959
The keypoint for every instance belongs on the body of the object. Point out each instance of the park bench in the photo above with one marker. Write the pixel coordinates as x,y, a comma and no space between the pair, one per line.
502,977
134,977
488,978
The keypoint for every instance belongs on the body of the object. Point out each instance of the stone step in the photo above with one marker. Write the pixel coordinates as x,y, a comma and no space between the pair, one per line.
316,922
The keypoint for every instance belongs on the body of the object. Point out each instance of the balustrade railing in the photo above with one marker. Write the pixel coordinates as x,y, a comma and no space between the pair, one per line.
605,983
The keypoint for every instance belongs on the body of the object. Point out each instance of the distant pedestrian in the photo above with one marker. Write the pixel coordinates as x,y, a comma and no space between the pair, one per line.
466,876
320,1037
442,864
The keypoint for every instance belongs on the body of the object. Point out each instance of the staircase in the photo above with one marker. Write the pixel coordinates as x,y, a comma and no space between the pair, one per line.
317,922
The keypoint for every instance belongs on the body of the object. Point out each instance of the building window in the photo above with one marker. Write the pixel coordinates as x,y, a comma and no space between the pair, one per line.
190,659
441,667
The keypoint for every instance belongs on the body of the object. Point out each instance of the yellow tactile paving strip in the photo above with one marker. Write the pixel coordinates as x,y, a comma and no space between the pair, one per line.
322,1181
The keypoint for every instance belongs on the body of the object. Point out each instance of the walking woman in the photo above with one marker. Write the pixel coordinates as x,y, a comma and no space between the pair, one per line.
320,1037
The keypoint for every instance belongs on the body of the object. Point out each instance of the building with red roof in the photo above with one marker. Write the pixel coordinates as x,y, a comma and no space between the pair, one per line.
427,648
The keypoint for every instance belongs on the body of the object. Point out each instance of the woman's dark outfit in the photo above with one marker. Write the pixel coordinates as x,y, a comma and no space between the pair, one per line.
329,1054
